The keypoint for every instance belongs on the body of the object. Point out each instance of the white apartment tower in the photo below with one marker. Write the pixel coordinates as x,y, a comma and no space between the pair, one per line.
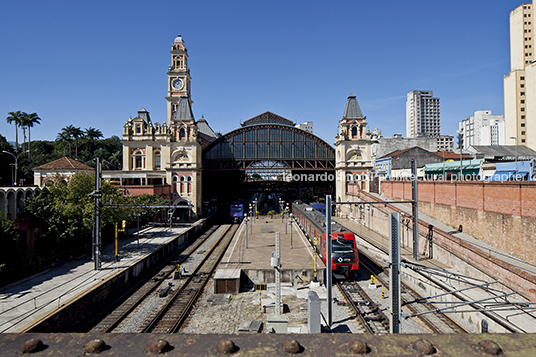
307,126
482,128
422,114
520,83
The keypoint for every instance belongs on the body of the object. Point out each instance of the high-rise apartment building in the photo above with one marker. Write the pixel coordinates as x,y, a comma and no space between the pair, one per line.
422,114
520,83
483,129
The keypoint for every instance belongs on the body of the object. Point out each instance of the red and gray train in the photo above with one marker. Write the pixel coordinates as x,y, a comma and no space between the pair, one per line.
345,257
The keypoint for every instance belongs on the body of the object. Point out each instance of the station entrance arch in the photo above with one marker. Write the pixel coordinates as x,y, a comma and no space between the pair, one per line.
268,153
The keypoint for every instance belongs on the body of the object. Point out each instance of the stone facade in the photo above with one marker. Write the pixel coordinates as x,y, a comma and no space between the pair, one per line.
353,155
169,153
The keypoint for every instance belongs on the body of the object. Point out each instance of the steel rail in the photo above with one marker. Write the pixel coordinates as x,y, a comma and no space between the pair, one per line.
153,285
359,316
163,311
427,321
374,320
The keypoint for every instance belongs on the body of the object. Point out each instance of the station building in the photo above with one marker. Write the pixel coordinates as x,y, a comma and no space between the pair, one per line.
167,158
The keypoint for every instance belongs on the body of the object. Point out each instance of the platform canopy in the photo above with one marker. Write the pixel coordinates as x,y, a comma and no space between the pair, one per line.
469,167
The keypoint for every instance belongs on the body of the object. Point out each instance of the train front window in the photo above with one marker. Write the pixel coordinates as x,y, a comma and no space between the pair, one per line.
341,247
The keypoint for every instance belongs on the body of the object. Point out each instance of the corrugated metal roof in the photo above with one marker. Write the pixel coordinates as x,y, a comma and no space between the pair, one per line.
496,151
454,165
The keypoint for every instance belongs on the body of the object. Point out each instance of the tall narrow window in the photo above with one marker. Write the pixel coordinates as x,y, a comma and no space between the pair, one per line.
181,189
157,161
138,160
182,134
189,184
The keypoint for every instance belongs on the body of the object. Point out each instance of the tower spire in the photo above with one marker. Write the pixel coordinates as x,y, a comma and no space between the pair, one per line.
179,79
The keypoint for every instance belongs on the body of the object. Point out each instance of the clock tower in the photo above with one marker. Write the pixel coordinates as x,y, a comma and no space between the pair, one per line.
179,79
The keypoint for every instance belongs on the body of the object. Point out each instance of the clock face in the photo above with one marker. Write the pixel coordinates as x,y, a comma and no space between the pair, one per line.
177,83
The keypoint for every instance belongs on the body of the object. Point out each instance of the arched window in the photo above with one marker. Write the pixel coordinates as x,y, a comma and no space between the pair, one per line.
182,134
181,184
354,132
189,184
137,160
157,160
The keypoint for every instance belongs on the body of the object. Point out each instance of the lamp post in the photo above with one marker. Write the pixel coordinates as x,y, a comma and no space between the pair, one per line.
138,217
16,163
290,221
251,218
515,150
246,219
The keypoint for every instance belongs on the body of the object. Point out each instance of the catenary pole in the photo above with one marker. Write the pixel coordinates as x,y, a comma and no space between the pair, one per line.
328,259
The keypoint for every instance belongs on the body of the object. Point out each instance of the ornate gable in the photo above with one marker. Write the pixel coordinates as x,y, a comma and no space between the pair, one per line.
268,118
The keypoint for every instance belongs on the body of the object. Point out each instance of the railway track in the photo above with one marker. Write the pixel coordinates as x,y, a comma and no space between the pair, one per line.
436,322
138,295
176,310
368,314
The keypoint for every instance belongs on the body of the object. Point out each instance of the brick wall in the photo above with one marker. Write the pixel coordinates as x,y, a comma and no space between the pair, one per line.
502,214
510,233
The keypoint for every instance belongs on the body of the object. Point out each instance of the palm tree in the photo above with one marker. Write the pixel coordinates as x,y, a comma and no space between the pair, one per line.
15,117
28,121
69,133
92,134
76,134
64,136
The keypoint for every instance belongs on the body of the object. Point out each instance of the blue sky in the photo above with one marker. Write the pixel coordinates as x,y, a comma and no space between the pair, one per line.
95,63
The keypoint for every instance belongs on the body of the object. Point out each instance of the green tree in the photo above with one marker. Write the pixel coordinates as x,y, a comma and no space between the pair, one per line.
28,121
70,133
63,213
12,245
15,118
64,137
93,134
6,161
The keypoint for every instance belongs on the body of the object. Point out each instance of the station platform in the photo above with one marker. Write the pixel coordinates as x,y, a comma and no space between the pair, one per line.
30,299
251,255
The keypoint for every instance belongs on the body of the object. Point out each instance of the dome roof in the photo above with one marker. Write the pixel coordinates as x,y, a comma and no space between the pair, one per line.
178,39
